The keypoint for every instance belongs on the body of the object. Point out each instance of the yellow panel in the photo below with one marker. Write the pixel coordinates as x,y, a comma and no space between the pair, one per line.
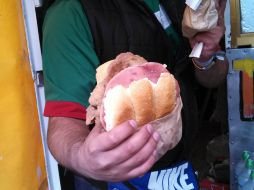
22,164
246,65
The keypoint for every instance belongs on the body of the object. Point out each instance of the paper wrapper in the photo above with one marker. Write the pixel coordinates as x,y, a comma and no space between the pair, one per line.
170,129
203,19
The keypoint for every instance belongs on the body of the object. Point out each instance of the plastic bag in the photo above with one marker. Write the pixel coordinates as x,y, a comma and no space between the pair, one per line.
170,129
203,19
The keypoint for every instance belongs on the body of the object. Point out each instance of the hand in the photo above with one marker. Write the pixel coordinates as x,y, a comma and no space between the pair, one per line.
220,6
120,154
212,38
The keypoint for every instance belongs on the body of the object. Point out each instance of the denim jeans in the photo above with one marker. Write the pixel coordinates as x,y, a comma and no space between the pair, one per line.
84,184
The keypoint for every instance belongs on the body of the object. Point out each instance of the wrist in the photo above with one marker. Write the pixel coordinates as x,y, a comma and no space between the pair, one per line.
81,162
203,65
76,158
206,65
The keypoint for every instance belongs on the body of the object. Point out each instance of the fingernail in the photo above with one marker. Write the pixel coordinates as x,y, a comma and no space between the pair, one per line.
133,123
149,128
156,136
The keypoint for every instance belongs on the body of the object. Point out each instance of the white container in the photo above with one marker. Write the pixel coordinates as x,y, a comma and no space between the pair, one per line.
245,174
241,164
249,185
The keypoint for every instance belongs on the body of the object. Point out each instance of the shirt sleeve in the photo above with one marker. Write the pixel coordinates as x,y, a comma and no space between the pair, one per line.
69,60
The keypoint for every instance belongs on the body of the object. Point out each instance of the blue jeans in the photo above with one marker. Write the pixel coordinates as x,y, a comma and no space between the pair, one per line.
83,184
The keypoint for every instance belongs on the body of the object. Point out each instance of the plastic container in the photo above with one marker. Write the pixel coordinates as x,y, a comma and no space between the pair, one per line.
241,164
249,185
245,173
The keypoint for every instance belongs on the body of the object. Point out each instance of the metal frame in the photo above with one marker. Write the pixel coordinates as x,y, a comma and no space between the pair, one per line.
238,39
228,26
241,133
36,67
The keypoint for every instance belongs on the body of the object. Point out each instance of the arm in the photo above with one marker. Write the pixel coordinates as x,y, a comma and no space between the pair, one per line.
70,133
69,74
120,154
215,75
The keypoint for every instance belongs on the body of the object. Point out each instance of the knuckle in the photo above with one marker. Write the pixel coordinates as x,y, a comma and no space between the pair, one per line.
103,164
92,149
139,159
130,148
153,144
113,139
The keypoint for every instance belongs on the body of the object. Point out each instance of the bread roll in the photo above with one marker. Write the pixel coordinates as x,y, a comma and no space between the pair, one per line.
165,92
139,93
117,107
130,88
141,96
102,71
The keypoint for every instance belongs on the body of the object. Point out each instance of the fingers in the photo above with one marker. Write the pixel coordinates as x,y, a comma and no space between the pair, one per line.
142,169
111,139
144,140
208,52
116,176
122,153
210,40
221,6
137,164
149,150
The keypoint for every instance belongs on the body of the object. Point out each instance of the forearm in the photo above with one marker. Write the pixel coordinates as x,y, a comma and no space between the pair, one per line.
65,136
216,74
213,76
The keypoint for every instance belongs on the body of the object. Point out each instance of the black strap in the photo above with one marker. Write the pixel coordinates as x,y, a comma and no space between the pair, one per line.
143,6
174,9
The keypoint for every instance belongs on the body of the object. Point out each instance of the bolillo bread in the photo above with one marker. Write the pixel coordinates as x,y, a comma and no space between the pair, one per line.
131,88
102,70
143,93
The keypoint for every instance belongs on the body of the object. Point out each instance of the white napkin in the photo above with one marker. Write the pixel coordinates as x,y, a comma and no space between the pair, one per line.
197,49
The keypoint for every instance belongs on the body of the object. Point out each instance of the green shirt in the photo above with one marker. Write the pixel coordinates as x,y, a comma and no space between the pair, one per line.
69,59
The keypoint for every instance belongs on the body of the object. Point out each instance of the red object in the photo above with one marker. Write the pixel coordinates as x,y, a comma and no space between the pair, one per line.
210,185
64,109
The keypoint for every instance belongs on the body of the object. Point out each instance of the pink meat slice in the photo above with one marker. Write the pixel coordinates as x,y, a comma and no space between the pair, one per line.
150,70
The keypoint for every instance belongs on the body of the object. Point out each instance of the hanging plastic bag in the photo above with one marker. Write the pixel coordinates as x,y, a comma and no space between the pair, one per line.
204,18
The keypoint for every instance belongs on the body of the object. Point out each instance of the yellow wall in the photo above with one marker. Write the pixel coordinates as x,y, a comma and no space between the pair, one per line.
22,164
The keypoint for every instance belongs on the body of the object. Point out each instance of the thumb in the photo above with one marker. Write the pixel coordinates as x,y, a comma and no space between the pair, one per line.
109,140
97,129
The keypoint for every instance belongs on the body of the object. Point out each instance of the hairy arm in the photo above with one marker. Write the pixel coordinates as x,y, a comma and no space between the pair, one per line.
65,136
120,154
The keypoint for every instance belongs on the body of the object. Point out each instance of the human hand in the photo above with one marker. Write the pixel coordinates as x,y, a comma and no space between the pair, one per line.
212,38
220,6
124,152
